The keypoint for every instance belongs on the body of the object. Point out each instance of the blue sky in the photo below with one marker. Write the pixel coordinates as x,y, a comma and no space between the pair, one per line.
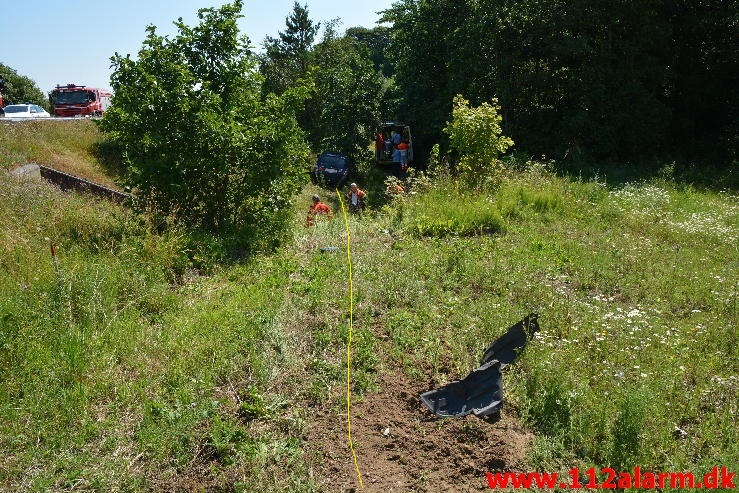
71,41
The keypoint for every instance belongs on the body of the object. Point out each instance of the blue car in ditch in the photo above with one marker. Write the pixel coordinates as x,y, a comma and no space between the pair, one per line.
332,169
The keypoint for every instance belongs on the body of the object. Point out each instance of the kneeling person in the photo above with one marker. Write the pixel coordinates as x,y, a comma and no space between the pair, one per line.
317,209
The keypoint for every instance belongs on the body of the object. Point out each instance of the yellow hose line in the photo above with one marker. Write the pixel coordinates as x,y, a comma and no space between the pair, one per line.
349,346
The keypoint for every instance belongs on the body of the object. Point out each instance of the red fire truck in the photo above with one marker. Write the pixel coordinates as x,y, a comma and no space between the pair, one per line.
73,100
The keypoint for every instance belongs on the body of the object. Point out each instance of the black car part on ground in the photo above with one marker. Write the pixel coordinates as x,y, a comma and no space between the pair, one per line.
481,392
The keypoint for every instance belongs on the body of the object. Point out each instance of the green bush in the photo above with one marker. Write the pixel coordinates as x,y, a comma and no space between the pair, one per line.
199,139
476,134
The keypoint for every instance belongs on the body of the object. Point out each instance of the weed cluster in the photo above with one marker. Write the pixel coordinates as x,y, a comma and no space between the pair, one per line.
636,286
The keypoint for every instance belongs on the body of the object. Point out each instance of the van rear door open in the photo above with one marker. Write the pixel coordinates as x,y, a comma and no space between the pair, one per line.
388,135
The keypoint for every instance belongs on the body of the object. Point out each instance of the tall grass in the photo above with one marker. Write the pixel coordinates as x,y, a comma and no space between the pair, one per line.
121,374
75,147
451,211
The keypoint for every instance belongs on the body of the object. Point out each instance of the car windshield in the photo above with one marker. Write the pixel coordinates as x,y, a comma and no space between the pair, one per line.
70,97
332,161
16,109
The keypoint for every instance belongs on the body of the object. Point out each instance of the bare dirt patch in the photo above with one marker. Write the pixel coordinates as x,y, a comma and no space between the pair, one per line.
401,446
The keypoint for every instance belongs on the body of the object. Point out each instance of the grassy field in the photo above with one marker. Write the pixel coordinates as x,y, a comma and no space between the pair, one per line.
637,291
129,367
75,147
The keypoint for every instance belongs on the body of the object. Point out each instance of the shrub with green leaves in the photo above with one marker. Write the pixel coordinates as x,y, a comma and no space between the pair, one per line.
476,134
199,138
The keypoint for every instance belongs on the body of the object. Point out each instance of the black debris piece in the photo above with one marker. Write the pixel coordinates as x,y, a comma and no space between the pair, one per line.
481,392
506,347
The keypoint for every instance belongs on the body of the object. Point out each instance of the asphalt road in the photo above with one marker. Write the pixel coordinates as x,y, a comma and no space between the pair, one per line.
52,119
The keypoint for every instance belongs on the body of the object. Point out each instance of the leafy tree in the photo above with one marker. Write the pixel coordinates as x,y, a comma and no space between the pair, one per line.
287,57
20,89
427,57
378,41
198,136
703,76
624,79
582,76
343,110
348,96
476,134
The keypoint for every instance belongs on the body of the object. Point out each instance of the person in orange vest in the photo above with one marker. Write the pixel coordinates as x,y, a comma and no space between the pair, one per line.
394,188
355,196
317,209
403,148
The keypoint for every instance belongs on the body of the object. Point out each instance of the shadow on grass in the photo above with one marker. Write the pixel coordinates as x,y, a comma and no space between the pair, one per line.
110,157
700,175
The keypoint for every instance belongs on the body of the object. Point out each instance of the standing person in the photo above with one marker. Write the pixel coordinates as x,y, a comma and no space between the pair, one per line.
396,156
403,148
396,138
380,144
356,197
317,209
397,167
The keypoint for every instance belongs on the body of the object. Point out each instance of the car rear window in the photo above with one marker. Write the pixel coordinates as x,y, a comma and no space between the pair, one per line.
16,109
332,161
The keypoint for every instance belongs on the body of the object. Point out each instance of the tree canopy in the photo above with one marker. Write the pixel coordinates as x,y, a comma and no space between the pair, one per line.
377,40
287,57
341,113
20,89
622,79
348,96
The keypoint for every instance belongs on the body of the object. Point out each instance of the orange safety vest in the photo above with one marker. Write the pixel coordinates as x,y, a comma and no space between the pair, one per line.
318,209
360,194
